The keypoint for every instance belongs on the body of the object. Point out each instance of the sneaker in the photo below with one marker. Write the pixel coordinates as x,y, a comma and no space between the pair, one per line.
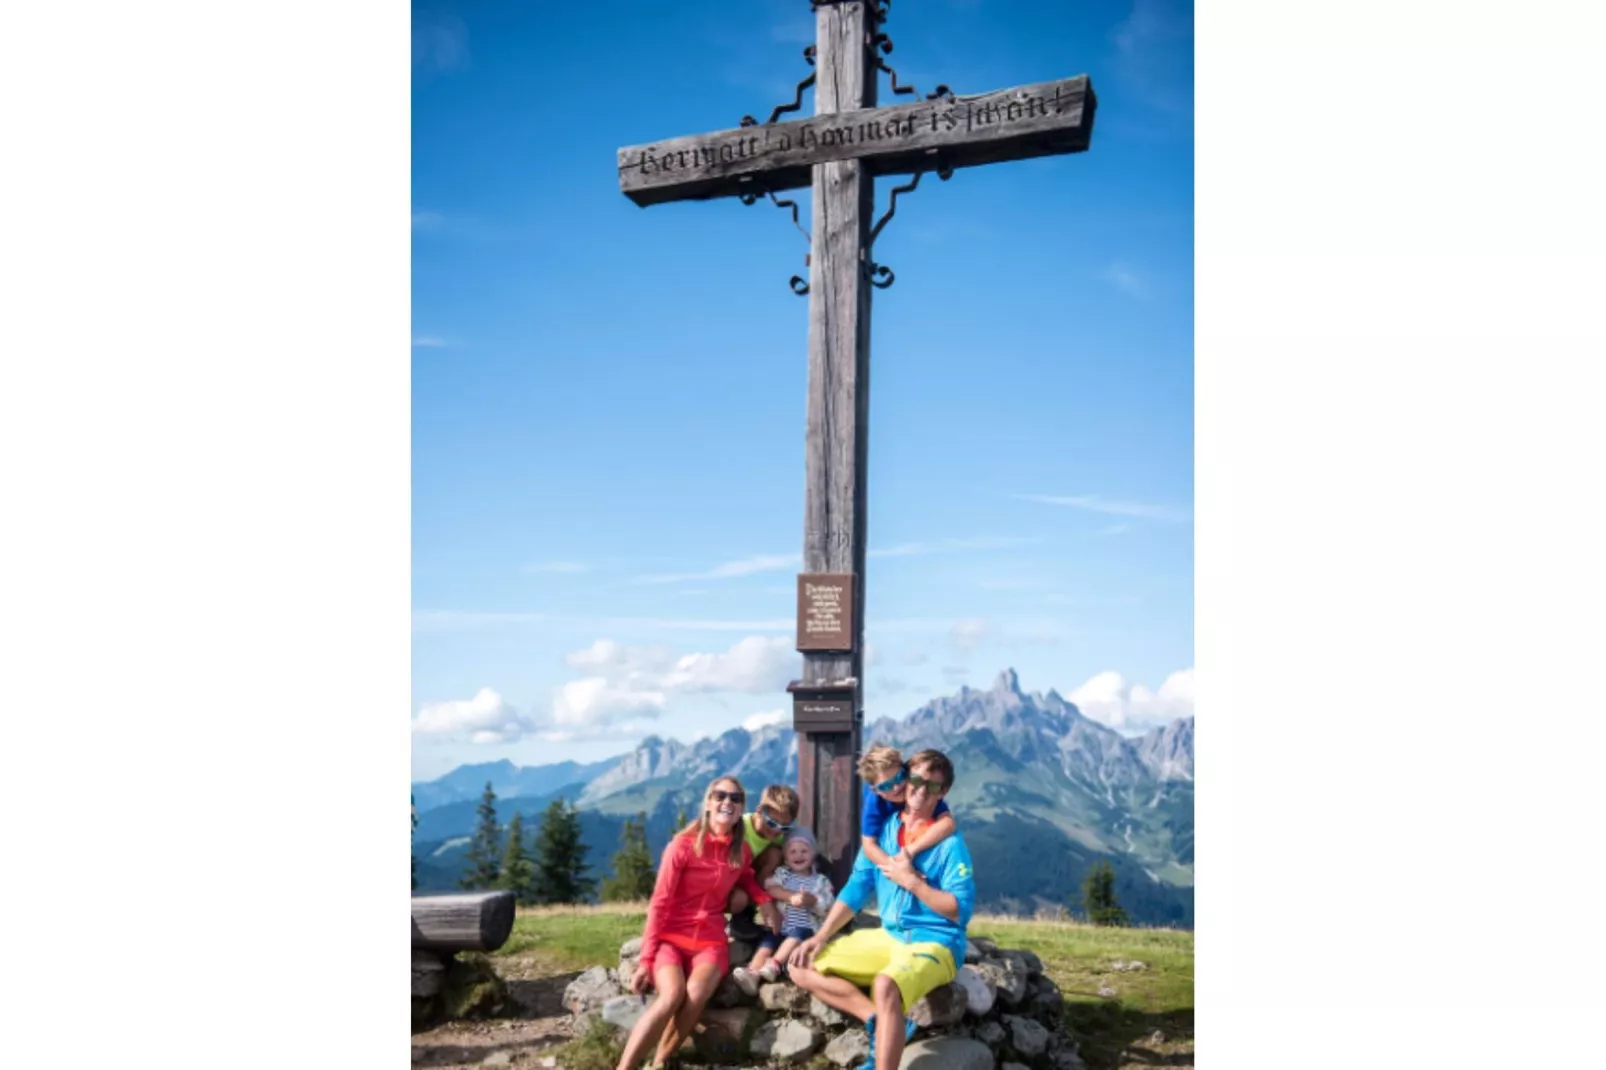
770,973
909,1028
746,980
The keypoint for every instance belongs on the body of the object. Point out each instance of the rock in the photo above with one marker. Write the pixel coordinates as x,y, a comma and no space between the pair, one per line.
940,1007
1068,1060
1128,967
1014,1066
1105,991
786,1039
985,946
784,997
1157,1037
631,948
429,972
591,990
1034,965
729,994
741,953
992,1034
1045,1002
629,956
1008,977
972,952
947,1053
1027,1037
726,1033
549,1062
621,1012
979,993
850,1049
826,1015
498,1058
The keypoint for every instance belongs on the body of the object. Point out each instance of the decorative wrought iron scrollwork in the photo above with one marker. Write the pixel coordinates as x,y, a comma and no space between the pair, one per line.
797,97
881,276
799,287
882,43
750,197
942,92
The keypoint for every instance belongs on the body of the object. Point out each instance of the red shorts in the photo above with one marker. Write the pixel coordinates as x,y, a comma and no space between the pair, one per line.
719,955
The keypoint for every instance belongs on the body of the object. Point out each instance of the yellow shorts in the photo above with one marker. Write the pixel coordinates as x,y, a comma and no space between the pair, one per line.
860,956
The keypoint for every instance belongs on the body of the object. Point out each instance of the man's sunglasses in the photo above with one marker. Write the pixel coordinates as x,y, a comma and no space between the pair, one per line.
772,823
936,787
888,785
734,796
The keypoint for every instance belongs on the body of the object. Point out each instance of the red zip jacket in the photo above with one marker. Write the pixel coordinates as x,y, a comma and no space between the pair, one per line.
692,890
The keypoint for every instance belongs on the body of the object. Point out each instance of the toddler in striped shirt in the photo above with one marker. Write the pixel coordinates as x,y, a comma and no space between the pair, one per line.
803,895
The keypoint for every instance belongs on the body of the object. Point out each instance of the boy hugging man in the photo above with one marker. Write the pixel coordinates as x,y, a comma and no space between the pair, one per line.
885,775
764,829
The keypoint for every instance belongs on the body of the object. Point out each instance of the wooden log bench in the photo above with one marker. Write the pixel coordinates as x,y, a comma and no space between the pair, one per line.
467,921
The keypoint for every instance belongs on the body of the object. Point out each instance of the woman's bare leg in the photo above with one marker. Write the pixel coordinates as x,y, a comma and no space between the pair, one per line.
671,985
699,987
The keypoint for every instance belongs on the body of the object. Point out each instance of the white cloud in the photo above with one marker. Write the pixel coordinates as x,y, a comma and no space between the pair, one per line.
562,567
485,718
966,635
440,42
1125,279
744,567
779,624
427,220
620,664
1109,699
1096,504
755,665
428,341
764,720
451,620
595,701
979,542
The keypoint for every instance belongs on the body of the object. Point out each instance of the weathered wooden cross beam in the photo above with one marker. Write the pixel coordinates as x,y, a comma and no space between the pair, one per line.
840,152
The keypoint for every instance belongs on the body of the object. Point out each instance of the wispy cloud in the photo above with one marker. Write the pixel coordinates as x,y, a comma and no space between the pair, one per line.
937,546
1126,279
452,620
1154,52
440,42
1095,504
428,220
744,567
562,567
429,341
691,624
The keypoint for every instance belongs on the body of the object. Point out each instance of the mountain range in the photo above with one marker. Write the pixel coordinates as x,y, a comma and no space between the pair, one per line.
1041,792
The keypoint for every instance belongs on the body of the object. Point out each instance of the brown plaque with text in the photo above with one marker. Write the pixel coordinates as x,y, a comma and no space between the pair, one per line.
816,715
825,612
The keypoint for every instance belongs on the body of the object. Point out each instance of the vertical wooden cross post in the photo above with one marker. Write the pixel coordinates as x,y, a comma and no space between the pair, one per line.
839,153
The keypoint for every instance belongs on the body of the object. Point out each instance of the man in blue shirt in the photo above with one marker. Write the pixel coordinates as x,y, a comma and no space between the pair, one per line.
925,905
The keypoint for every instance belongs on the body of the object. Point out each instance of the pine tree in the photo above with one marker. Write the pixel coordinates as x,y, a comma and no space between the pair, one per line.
518,870
560,857
633,877
484,851
414,835
1098,895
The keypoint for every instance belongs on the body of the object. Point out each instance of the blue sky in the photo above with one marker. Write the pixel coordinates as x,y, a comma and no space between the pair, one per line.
608,401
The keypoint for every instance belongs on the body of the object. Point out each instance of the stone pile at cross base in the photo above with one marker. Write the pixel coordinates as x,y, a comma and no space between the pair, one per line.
1000,1013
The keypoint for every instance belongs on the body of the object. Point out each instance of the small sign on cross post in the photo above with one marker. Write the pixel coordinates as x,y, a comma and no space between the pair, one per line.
839,152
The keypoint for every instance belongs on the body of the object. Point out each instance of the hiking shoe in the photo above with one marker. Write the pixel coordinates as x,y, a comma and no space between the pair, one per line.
909,1028
746,980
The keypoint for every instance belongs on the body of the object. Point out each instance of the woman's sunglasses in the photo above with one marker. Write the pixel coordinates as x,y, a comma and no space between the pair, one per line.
734,796
888,785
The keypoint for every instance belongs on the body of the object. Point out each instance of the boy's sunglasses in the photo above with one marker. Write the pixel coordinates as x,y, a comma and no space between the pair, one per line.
917,782
772,823
888,785
734,796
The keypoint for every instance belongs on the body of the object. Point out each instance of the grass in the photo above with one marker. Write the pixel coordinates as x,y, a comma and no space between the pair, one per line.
1077,956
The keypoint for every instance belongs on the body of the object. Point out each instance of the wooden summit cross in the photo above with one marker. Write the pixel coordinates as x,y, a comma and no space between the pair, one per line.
840,152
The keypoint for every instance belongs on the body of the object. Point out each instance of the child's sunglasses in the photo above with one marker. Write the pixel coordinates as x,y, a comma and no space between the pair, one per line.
888,785
734,796
772,823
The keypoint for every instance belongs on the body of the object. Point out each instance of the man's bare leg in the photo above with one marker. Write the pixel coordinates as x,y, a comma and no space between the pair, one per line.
889,1021
836,992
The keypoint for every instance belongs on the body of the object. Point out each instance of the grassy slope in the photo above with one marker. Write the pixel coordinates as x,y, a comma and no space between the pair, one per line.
1076,956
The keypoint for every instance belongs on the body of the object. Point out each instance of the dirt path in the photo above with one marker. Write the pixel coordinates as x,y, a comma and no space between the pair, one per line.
533,1023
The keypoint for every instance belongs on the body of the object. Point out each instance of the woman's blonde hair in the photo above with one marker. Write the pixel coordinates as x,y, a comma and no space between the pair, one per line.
702,827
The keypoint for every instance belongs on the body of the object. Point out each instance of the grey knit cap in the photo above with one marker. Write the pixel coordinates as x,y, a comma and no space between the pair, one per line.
801,833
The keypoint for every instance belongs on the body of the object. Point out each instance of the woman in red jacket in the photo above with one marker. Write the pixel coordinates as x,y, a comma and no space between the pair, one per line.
684,952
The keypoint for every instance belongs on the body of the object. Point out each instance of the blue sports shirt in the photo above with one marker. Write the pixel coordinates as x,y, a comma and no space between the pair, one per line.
946,867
